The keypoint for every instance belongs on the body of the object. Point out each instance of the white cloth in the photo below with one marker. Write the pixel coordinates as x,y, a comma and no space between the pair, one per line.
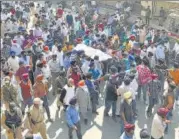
20,39
176,47
54,65
152,59
134,87
85,67
44,35
70,93
160,52
54,49
60,58
37,32
47,56
13,63
158,127
46,72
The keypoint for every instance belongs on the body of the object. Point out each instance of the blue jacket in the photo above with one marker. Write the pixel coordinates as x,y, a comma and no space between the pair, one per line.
95,73
72,116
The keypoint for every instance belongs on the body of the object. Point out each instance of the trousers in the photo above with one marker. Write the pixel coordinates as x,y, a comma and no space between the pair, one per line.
108,105
142,89
78,131
45,105
40,128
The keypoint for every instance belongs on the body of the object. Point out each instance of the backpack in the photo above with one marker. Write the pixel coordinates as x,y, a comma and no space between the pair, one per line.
12,121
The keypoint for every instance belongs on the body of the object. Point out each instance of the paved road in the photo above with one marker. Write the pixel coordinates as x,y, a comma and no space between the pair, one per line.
101,127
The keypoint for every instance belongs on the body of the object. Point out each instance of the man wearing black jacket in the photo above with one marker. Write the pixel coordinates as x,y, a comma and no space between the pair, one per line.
111,97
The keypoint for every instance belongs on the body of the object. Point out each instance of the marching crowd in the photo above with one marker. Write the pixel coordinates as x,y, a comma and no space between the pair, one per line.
39,62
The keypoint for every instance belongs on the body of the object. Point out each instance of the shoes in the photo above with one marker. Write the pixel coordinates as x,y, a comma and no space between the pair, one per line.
58,107
118,116
106,114
50,120
149,114
95,112
86,121
177,103
114,118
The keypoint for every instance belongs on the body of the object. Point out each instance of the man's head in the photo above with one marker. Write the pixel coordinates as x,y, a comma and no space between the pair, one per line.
12,107
88,75
54,57
7,80
37,102
144,134
46,49
21,63
91,65
40,64
73,101
25,77
70,82
162,112
39,78
127,81
128,97
113,70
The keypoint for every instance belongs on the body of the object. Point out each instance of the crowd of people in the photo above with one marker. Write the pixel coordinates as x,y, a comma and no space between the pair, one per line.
39,62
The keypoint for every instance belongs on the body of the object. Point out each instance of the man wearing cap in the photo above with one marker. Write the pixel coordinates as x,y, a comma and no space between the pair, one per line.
8,92
85,65
82,95
128,132
93,93
73,119
144,76
38,69
68,92
126,110
16,47
159,124
161,69
47,54
60,55
151,54
154,88
26,91
160,51
36,118
75,75
40,89
169,98
13,61
111,97
95,72
55,69
22,69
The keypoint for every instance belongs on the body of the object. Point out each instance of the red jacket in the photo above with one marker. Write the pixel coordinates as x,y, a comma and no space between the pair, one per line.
76,78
